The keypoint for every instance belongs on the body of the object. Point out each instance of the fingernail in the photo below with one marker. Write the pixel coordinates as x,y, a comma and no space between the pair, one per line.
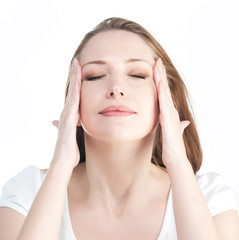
53,123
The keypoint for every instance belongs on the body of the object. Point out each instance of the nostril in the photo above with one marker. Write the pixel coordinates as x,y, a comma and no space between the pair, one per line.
120,94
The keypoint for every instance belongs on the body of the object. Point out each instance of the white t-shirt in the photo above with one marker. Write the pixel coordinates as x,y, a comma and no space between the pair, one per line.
19,192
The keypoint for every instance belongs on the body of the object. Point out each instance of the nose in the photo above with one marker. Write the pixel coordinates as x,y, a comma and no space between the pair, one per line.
116,92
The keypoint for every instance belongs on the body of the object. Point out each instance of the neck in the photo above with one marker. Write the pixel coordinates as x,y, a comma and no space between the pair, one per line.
118,174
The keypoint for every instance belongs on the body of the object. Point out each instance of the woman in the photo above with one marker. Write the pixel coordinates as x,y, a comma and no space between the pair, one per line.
126,118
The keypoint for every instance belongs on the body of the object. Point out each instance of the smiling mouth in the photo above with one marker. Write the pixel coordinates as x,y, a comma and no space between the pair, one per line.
116,113
117,108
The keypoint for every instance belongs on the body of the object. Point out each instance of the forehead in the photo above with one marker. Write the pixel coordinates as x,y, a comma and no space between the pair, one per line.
116,45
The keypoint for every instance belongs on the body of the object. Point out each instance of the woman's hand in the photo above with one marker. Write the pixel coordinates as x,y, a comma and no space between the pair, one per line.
66,149
173,148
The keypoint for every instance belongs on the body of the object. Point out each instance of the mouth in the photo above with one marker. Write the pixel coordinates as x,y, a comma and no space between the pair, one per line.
117,110
116,113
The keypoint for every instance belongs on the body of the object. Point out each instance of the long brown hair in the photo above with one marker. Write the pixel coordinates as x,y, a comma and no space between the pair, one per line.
177,87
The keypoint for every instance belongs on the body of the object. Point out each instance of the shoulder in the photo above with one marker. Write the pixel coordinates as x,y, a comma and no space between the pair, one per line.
28,176
219,196
19,191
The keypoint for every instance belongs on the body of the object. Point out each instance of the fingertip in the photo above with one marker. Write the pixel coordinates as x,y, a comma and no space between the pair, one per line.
77,63
79,71
159,61
75,60
54,123
156,75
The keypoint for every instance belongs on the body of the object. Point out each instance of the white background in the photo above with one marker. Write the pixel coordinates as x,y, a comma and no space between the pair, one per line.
38,40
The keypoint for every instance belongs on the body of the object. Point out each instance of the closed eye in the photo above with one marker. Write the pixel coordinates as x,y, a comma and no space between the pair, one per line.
138,76
98,77
93,78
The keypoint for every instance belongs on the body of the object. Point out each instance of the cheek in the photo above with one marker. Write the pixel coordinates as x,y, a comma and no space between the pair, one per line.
150,97
85,100
150,105
86,105
90,99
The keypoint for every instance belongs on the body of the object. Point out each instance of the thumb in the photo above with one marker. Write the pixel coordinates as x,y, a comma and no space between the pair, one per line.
55,123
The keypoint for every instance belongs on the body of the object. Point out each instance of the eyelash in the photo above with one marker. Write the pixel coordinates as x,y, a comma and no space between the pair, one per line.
97,77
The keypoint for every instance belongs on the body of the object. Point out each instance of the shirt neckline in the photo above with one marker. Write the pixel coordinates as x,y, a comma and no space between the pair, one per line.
161,234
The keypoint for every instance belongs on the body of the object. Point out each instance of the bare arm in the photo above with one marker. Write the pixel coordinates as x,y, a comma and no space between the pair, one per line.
228,224
44,217
192,216
10,223
193,219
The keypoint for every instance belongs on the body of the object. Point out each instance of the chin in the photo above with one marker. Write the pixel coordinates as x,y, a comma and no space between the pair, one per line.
116,135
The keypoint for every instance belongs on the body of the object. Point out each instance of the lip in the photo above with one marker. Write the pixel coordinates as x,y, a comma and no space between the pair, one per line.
116,114
117,109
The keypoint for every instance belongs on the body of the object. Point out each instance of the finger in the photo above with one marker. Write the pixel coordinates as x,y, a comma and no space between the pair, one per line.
71,112
156,76
72,107
164,104
163,75
161,78
55,123
164,86
70,87
75,84
79,77
72,73
78,71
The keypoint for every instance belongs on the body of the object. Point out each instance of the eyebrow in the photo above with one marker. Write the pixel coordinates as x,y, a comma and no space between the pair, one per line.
128,61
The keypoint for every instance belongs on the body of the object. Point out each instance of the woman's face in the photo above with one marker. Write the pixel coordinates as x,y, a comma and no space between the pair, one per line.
122,82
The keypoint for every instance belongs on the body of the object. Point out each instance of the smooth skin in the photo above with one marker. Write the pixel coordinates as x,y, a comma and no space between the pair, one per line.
44,217
193,219
192,216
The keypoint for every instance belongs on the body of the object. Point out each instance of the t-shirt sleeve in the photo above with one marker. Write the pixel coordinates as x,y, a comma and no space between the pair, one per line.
219,196
19,192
